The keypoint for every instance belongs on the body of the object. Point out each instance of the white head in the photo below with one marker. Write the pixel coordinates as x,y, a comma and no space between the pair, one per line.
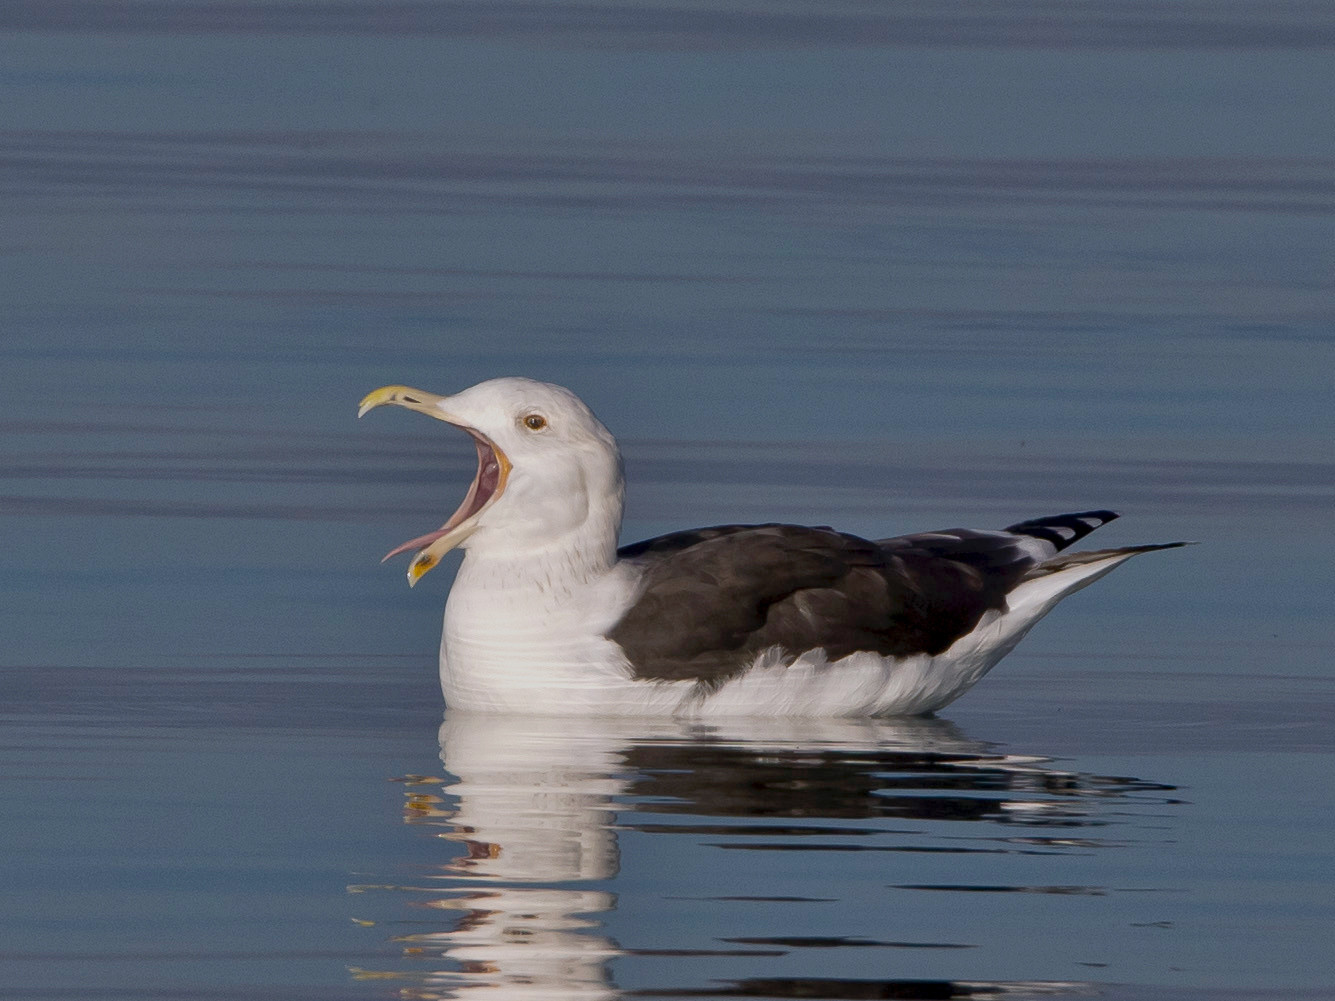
549,473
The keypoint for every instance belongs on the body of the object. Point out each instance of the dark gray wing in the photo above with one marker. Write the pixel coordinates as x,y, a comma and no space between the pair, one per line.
711,599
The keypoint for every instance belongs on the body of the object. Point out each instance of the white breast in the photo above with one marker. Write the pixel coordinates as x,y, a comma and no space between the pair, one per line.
528,637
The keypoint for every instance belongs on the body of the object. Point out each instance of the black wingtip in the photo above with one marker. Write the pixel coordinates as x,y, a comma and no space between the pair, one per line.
1063,529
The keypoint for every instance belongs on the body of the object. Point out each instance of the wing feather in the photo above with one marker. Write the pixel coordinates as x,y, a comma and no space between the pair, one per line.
712,599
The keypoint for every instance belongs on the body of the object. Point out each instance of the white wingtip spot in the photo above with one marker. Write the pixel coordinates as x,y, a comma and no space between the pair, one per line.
1036,549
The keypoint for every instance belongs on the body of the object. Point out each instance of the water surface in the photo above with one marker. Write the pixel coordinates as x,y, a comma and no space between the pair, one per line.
890,269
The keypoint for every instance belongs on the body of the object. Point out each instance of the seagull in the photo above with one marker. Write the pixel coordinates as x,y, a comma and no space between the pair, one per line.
547,615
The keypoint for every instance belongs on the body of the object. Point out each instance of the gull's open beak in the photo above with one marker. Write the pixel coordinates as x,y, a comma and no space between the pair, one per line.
493,469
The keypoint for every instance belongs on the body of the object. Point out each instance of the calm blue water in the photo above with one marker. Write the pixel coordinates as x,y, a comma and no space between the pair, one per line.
891,269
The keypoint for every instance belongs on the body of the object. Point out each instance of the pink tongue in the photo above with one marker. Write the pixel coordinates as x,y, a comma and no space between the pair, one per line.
483,486
421,542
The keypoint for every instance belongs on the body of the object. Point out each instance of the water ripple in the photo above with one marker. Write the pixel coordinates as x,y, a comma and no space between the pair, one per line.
696,25
402,172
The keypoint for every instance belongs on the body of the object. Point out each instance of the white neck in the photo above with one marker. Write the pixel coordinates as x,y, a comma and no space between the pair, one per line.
525,624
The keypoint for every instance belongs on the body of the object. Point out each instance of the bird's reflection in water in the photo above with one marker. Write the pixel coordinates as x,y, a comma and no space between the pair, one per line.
533,809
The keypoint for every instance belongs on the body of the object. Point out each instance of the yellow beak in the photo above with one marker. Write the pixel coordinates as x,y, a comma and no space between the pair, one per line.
493,470
405,396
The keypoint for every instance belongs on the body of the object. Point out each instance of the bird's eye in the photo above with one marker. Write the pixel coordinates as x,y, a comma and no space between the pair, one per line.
535,422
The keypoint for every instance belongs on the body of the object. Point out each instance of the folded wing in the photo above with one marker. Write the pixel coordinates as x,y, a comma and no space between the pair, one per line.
710,600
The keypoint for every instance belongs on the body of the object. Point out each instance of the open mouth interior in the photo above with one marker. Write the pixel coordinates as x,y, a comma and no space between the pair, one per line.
486,485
